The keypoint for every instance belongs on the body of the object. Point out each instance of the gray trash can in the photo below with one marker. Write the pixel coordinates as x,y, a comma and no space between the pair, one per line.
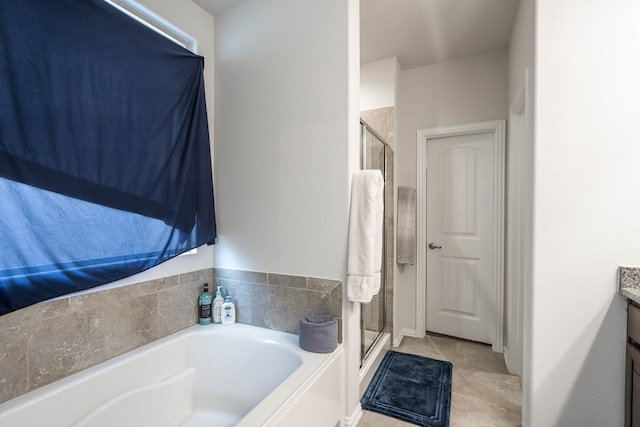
318,334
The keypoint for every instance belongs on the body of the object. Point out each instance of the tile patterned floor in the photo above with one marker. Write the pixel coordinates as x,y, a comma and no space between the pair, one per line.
483,393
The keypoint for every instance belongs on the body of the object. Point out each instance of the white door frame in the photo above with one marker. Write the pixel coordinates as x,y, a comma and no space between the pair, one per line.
519,115
498,129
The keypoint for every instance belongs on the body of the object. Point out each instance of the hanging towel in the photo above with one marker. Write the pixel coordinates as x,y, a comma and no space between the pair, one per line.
365,235
406,237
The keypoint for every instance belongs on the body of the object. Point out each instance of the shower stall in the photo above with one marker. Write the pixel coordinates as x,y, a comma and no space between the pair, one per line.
374,320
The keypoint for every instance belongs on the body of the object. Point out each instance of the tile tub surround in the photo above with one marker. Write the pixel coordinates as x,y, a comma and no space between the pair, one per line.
51,340
277,301
45,342
629,282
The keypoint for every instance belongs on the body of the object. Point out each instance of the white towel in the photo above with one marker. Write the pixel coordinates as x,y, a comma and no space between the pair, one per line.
365,235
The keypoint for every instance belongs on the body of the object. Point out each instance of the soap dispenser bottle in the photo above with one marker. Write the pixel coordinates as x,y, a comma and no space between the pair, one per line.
217,306
228,312
204,306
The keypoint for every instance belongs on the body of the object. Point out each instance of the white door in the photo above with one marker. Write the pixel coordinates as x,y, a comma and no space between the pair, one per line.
460,236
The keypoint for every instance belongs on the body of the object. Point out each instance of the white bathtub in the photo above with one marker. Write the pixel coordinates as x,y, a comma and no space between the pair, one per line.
210,375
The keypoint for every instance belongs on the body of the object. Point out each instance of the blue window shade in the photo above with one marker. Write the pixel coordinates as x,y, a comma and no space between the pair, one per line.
105,166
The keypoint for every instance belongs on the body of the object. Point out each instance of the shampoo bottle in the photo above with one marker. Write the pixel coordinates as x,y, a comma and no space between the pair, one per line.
217,306
204,306
228,312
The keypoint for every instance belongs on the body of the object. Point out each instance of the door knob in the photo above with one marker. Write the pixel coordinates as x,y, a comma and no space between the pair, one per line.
434,246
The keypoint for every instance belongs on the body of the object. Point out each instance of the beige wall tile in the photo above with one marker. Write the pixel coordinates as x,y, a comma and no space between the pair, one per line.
335,308
206,276
249,276
13,319
178,308
222,273
285,280
51,340
14,379
269,303
323,285
130,324
34,313
64,345
301,302
241,295
188,277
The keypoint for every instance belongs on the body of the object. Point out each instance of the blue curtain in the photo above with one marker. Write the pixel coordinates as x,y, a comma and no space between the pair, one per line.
105,166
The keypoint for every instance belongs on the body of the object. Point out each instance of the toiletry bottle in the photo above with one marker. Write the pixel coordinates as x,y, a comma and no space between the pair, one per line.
228,312
217,306
204,306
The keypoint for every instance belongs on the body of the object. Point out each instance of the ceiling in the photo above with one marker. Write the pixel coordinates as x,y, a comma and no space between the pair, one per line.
216,6
424,32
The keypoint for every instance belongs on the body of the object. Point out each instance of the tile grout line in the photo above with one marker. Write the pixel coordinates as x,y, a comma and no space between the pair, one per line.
437,349
28,361
478,399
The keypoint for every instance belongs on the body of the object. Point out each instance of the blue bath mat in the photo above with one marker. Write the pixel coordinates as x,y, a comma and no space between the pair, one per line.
411,388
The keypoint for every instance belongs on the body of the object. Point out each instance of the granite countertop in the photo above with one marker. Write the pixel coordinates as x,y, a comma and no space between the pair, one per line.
629,283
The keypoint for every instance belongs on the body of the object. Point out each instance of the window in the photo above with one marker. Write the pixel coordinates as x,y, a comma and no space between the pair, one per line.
105,165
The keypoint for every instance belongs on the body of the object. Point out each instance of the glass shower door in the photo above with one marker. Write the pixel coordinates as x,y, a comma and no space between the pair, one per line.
373,315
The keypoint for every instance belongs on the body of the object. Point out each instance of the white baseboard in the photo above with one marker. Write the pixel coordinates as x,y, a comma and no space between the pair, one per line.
353,419
404,332
505,355
514,367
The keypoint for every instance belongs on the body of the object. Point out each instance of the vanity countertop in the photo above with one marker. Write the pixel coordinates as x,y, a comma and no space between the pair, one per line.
629,283
632,293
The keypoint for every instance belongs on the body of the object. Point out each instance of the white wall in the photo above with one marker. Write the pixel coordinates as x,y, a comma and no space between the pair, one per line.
281,167
521,47
466,90
286,141
351,311
586,207
378,84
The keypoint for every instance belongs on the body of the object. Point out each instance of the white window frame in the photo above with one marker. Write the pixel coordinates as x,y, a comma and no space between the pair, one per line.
155,22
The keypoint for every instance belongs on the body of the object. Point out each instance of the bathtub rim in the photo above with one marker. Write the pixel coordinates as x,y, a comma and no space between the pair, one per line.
285,395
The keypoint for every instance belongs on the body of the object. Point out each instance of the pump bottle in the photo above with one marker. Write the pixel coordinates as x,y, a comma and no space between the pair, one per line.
228,312
204,306
217,306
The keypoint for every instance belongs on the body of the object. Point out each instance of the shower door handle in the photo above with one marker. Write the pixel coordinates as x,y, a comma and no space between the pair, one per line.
434,246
